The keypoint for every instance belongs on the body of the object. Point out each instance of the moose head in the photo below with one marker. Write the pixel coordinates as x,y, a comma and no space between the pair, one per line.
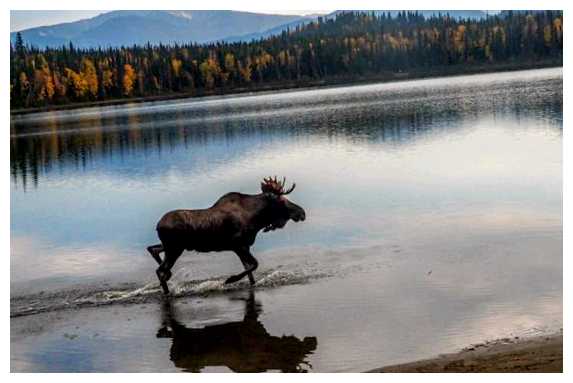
280,208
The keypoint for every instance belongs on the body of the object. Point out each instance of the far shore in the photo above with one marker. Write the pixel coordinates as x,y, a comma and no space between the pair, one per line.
306,84
535,354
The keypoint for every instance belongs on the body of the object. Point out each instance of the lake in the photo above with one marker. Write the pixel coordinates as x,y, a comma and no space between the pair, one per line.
434,220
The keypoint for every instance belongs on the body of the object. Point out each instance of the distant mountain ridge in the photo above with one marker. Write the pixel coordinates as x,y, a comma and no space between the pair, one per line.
128,28
469,14
293,24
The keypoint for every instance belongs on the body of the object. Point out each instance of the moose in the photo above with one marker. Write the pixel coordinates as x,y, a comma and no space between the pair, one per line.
231,224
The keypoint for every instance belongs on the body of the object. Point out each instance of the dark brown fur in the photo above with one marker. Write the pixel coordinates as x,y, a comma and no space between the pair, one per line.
232,223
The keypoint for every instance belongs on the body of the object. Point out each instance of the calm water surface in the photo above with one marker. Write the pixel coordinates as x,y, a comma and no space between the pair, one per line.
434,219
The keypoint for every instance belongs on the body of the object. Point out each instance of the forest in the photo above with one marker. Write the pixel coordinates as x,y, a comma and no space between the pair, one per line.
350,45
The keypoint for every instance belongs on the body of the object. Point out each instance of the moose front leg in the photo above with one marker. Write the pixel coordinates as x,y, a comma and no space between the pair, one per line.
250,275
250,264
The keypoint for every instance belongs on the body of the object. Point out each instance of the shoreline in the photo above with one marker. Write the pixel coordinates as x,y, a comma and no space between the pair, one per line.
303,85
542,353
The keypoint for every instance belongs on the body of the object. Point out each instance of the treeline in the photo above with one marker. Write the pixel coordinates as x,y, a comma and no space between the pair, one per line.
351,44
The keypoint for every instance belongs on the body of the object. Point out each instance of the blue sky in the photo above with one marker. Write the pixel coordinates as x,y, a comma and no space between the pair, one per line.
28,19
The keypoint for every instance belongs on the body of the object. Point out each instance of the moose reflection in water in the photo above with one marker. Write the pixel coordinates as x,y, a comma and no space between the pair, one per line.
243,346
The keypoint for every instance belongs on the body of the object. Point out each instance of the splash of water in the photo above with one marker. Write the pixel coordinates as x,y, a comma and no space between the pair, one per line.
85,297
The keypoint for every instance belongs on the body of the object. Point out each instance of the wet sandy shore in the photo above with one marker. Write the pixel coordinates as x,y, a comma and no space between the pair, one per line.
537,354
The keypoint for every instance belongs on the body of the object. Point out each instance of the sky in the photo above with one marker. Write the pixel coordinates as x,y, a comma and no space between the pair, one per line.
29,19
20,20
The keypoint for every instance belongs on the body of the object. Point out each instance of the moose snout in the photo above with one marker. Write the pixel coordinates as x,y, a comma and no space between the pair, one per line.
300,215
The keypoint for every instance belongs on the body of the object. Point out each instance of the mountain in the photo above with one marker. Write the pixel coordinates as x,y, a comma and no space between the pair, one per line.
126,28
139,27
271,32
471,14
508,13
302,21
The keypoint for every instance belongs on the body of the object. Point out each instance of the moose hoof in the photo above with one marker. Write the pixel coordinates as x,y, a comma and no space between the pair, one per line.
163,277
165,289
232,279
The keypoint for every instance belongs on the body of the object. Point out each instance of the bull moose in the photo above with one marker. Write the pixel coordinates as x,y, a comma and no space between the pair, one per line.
231,224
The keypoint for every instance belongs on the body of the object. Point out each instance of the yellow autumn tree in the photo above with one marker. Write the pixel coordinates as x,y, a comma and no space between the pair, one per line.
245,71
459,35
59,85
89,76
43,84
210,70
24,83
558,26
76,83
128,80
107,79
283,58
176,66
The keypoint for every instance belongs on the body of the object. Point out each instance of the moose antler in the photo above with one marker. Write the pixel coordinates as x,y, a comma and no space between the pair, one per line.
272,185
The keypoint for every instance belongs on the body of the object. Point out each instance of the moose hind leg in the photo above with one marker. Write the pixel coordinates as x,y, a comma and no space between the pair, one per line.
155,250
164,270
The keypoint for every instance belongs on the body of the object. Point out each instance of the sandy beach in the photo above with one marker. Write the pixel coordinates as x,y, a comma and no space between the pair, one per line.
536,354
